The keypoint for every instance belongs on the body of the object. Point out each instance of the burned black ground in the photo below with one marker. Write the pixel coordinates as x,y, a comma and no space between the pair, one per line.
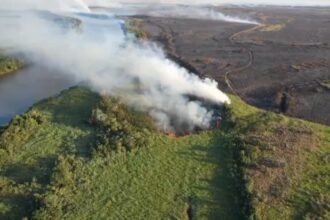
281,65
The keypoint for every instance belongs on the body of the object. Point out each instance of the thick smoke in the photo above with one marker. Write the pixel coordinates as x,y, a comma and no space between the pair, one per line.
54,5
109,62
100,55
177,11
197,13
123,8
82,5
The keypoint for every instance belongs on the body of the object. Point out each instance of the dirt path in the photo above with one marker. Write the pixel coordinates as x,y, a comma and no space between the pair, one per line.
234,38
167,34
242,68
228,73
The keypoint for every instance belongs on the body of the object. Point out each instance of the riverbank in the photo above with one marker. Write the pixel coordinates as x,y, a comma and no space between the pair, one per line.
20,90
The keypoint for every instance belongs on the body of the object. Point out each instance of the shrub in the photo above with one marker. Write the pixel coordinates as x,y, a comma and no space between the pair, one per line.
120,128
8,65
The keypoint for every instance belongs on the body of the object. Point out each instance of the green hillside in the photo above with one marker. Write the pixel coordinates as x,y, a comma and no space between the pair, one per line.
8,65
82,156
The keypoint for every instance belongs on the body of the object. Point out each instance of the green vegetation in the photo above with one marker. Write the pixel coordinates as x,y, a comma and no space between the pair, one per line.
32,143
68,23
285,163
326,84
272,27
8,65
79,156
82,156
296,67
135,26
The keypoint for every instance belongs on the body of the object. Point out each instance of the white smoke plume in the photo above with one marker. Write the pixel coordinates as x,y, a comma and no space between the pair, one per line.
108,61
177,11
123,8
198,13
53,5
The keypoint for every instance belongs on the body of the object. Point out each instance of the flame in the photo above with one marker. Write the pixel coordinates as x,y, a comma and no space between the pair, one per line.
187,133
171,135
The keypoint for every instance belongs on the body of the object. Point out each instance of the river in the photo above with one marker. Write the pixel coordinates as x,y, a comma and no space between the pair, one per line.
19,91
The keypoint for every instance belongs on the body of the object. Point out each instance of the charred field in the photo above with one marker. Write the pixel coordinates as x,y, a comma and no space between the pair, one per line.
281,65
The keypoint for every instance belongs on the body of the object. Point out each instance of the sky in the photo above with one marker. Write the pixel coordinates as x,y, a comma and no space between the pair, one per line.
266,2
82,4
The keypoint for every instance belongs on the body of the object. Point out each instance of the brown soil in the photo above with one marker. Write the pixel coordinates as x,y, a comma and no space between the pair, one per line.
278,162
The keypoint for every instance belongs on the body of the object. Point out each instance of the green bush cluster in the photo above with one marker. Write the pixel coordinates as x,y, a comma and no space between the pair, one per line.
235,144
135,26
120,128
244,183
18,131
66,179
318,207
8,65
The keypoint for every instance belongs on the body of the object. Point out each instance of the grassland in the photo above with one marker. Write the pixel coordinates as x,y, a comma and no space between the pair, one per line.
59,161
135,26
82,156
285,163
272,27
326,84
8,65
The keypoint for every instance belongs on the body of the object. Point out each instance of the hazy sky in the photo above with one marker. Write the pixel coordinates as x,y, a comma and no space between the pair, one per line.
81,4
269,2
